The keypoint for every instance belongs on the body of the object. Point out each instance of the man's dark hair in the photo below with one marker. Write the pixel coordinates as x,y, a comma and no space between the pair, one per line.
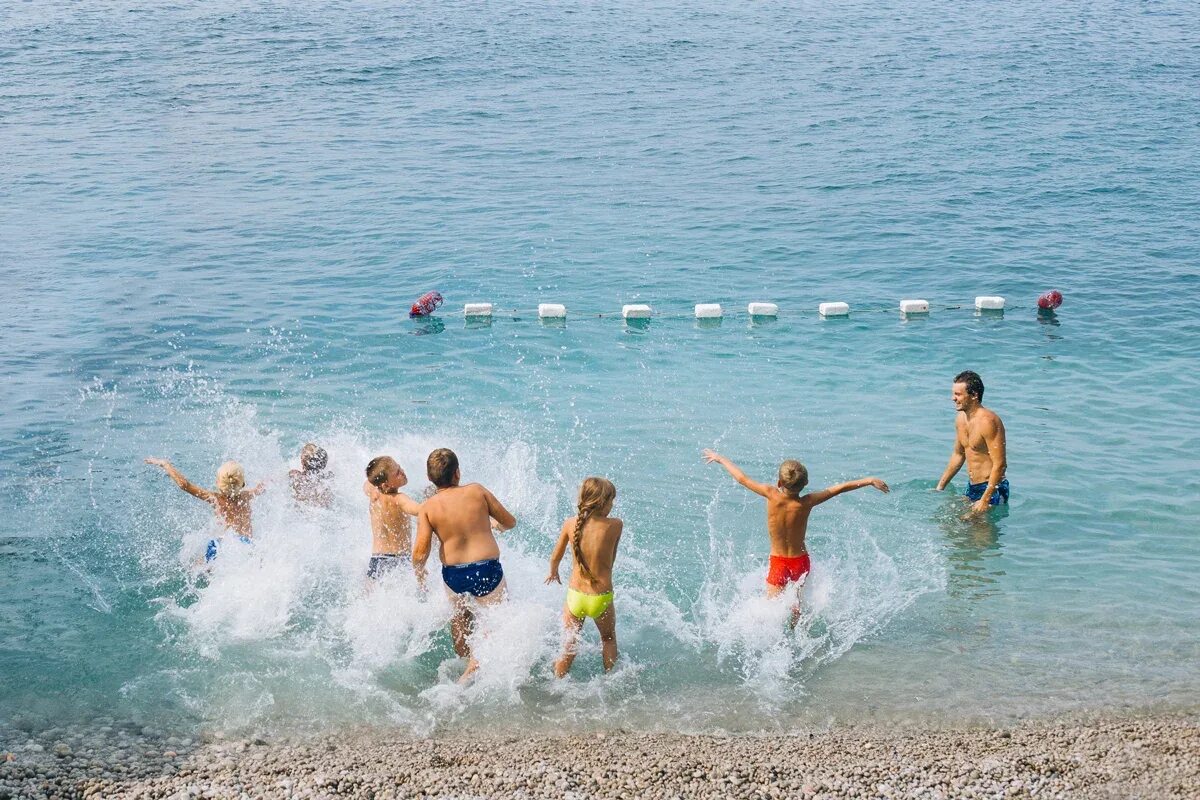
973,382
441,466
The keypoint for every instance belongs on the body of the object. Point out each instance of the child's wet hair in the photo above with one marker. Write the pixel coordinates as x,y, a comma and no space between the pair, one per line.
231,478
441,466
793,475
313,458
378,469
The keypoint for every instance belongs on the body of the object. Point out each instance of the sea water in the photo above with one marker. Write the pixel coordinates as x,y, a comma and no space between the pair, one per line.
214,217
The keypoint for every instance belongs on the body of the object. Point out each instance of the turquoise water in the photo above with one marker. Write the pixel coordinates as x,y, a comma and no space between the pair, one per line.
213,220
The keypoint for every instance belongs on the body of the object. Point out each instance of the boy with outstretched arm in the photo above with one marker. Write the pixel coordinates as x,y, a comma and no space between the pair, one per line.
787,519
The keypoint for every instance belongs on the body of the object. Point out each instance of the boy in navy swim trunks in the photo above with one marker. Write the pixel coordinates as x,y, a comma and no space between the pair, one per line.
979,441
462,518
787,520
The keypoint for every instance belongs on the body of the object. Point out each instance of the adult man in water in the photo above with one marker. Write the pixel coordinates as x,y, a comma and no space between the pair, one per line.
979,441
462,519
391,509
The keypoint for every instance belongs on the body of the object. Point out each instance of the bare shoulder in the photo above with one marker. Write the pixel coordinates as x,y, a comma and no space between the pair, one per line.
989,420
616,524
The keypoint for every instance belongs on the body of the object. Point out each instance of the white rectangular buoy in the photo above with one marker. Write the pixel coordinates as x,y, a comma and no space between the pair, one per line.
477,310
636,311
708,311
834,309
763,310
989,303
914,306
552,311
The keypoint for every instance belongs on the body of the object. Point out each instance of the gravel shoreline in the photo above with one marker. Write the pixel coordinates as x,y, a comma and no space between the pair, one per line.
1155,756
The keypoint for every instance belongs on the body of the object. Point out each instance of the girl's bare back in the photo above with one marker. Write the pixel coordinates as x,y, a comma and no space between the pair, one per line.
598,541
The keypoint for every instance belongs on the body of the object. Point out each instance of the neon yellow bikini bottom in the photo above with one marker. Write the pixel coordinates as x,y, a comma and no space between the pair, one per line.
587,605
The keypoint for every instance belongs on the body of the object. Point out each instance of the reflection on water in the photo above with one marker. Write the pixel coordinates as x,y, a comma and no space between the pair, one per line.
972,544
427,325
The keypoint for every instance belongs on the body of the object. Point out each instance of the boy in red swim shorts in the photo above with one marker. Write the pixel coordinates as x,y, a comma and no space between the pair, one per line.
787,519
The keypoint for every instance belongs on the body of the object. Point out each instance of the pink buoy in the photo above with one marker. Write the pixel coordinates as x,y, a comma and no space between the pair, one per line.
1050,300
426,304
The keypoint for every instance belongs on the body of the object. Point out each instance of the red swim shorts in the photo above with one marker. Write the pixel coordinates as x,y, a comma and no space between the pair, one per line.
785,570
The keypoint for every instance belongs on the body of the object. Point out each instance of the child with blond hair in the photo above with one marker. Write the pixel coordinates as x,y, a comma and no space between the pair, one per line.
230,500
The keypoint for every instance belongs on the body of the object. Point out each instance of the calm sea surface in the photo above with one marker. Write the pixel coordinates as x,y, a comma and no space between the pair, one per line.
213,219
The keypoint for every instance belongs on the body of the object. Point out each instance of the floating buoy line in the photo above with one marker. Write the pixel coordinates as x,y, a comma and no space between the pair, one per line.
640,313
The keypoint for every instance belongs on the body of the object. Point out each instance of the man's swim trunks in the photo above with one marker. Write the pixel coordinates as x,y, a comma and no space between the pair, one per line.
479,578
210,551
975,492
581,604
785,570
383,563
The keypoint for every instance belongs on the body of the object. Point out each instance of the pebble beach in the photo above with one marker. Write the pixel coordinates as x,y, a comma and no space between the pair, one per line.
1133,757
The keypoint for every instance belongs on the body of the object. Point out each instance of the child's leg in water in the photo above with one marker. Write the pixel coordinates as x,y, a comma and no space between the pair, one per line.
571,628
606,623
797,588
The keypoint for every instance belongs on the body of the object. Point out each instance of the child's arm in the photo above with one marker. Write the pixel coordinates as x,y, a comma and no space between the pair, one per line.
711,457
560,550
182,482
259,489
422,546
504,520
408,505
816,498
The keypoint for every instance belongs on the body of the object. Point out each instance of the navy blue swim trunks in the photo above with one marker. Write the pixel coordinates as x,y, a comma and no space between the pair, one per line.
975,492
479,578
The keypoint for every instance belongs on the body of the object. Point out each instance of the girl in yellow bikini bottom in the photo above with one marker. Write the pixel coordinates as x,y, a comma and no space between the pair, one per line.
587,605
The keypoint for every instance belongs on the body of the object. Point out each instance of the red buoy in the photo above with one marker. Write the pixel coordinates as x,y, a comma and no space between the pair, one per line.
1050,300
426,304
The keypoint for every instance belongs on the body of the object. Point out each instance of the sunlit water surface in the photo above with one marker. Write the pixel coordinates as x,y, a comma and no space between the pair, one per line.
213,219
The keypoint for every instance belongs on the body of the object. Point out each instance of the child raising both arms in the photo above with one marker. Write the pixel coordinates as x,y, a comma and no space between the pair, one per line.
787,520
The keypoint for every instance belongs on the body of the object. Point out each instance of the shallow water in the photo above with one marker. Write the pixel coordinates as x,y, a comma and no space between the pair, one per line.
214,220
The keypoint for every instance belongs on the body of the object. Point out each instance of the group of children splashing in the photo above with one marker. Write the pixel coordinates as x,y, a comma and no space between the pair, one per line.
466,518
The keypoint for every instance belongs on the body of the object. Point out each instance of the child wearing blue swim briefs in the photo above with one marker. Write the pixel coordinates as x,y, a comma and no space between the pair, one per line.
463,519
593,536
230,500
